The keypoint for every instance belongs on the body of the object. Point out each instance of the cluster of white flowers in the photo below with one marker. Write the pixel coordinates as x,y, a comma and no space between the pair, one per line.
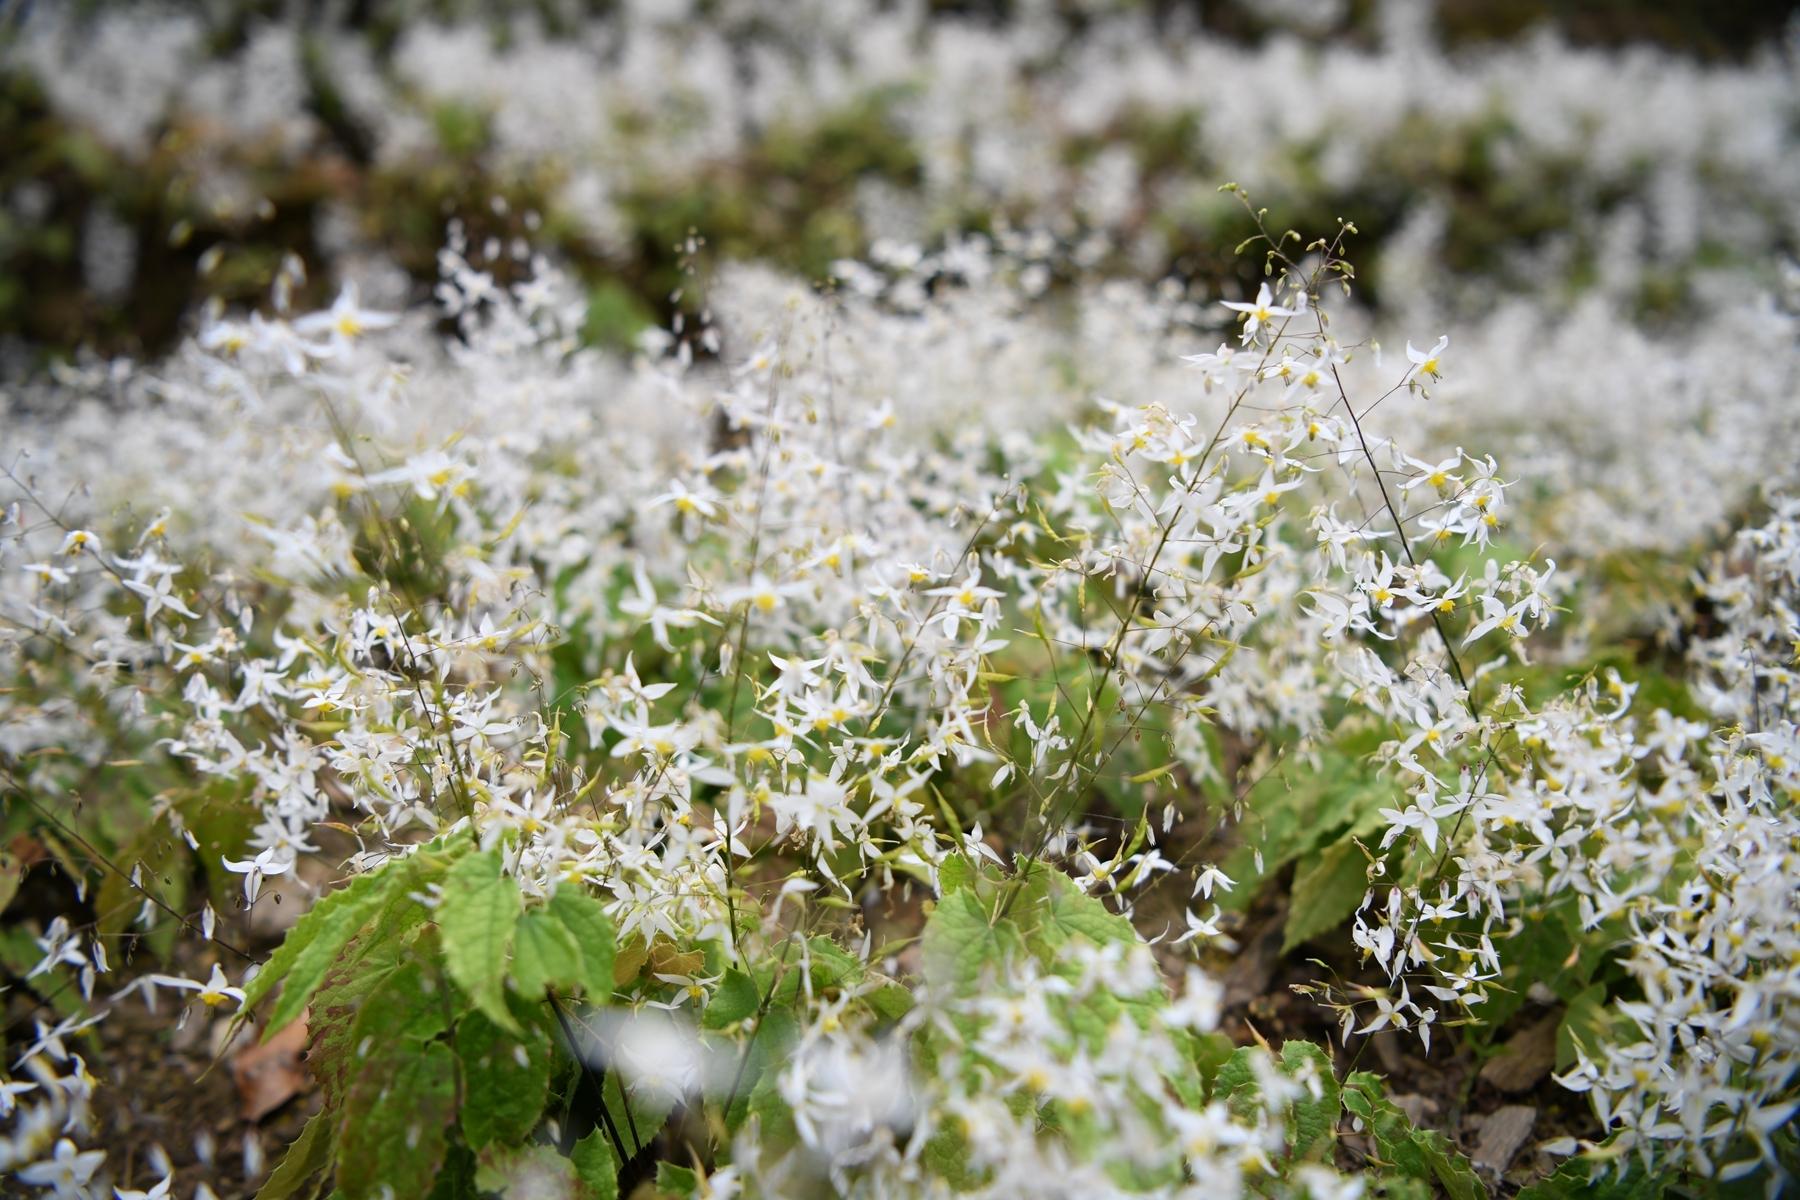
773,625
792,537
1706,1058
413,570
1036,1091
1658,836
360,605
1114,124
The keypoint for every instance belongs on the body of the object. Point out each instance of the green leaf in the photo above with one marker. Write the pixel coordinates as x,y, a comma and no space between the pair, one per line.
734,999
1314,1116
1183,1072
828,966
1092,1017
1328,887
1073,913
1541,952
1298,809
309,1154
526,1171
1398,1187
946,1154
955,873
1571,1180
394,1130
478,915
1210,1052
959,942
1236,1082
597,1165
759,1092
890,1001
220,821
322,922
19,953
638,1119
506,1081
592,929
1420,1153
365,966
362,964
153,851
407,1006
11,873
776,1132
396,1023
456,1178
315,941
672,1180
544,956
832,965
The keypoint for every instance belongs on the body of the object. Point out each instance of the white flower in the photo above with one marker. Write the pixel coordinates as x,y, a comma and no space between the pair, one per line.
158,1192
159,596
343,323
66,1172
1206,927
272,861
1210,877
80,541
1262,311
1425,362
